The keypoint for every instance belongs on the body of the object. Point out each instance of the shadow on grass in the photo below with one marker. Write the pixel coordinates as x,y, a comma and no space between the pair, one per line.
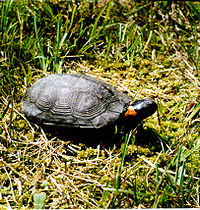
106,137
149,137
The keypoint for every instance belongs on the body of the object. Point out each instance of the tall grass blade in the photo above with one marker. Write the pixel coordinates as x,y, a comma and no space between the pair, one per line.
108,50
4,13
117,189
195,8
72,18
93,32
58,38
135,192
178,163
187,154
104,195
127,139
181,173
195,111
149,39
60,41
39,44
105,22
157,173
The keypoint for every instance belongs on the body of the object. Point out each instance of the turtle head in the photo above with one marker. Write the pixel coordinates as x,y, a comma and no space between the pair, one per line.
140,109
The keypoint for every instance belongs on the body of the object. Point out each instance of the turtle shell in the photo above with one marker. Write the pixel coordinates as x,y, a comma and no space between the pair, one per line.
74,100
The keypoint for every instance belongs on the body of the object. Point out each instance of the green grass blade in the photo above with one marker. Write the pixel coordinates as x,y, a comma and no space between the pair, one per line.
58,38
105,193
106,20
157,173
92,34
195,111
127,139
39,44
149,39
195,8
135,192
187,154
178,163
4,19
72,18
108,50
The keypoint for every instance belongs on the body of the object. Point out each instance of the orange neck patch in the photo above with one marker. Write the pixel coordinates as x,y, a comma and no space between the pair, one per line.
130,112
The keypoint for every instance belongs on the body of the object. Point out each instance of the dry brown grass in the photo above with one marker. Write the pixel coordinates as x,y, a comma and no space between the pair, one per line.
72,175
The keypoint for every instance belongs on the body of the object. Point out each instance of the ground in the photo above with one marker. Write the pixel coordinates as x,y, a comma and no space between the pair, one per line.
147,50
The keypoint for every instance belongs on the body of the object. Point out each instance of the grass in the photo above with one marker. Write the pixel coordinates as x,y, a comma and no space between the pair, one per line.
147,49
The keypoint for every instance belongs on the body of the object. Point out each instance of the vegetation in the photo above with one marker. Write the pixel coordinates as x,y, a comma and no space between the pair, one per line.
147,49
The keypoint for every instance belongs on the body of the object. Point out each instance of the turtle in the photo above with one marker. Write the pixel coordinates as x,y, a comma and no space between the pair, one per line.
81,101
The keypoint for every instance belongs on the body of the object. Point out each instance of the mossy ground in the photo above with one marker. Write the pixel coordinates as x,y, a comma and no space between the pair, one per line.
148,50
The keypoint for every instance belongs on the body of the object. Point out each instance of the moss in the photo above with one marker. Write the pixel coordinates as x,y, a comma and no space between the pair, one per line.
111,41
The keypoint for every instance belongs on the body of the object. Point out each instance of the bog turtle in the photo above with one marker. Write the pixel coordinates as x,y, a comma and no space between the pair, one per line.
81,101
